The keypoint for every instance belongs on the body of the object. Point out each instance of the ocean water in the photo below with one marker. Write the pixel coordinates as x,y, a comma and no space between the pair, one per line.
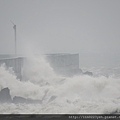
77,94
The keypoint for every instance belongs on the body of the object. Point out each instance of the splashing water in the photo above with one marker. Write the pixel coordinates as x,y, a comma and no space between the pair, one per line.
77,94
37,70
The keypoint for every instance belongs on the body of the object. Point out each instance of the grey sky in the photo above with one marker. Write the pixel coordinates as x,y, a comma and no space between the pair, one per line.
88,27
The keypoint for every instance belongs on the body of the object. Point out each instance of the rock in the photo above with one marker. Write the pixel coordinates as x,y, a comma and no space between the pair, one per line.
18,99
5,95
52,98
34,101
88,73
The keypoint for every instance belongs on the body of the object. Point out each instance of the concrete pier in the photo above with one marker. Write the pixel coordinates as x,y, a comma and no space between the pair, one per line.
65,64
15,63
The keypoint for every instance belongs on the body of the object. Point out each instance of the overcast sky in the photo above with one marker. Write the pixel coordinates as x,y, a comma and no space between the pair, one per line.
88,27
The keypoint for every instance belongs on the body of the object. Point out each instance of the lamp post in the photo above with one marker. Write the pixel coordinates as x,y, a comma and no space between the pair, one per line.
14,27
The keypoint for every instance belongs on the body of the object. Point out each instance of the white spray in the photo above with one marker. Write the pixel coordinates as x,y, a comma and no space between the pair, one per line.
78,94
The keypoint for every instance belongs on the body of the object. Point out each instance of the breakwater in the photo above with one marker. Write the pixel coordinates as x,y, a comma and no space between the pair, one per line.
65,64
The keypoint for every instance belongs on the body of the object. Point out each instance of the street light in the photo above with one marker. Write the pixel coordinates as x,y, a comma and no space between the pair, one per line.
14,27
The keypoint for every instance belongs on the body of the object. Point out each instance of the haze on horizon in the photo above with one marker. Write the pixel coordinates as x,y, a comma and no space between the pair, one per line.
88,27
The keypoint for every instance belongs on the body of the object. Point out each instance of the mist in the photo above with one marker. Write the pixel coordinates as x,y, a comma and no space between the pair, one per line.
88,27
38,79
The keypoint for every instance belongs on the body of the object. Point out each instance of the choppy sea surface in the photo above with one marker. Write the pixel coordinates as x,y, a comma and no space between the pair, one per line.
99,93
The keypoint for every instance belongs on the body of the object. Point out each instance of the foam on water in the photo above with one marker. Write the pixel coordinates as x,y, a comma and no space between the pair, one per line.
77,94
